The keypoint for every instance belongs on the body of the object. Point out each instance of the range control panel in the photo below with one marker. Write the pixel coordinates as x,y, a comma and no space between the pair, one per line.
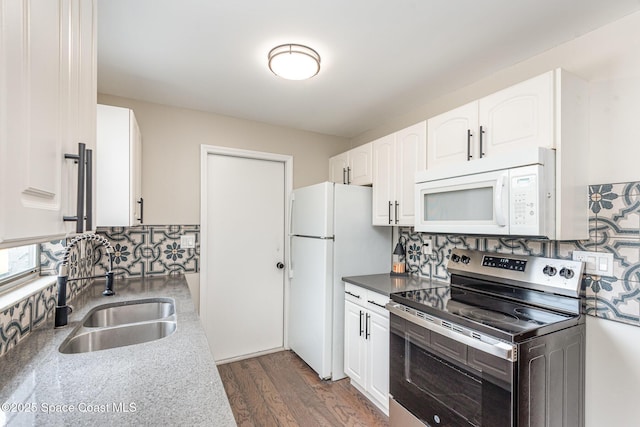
558,276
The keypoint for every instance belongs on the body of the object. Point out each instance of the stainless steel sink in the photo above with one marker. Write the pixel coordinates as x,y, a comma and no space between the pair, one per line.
129,312
119,336
122,324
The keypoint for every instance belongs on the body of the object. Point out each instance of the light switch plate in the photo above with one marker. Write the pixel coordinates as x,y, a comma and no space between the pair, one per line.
187,242
599,263
427,247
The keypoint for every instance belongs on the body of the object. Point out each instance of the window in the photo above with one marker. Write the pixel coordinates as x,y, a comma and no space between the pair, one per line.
17,262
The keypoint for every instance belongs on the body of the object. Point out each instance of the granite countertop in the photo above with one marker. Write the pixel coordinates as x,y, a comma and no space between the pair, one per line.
387,284
171,381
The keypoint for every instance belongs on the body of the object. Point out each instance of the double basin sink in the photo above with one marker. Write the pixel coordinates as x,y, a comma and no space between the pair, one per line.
123,323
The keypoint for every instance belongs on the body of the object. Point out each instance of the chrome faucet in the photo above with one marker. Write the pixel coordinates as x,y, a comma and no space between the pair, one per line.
62,309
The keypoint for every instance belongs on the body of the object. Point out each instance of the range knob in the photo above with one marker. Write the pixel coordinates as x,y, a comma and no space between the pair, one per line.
567,273
455,257
549,270
465,259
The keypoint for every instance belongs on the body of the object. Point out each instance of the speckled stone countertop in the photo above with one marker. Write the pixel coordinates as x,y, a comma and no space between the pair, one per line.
171,381
387,284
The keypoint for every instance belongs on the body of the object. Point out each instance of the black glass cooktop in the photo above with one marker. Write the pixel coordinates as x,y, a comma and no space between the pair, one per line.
502,318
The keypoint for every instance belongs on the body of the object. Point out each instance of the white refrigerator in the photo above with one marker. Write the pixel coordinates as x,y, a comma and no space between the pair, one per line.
332,236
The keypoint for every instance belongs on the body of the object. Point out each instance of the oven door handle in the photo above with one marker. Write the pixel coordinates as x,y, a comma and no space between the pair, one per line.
498,348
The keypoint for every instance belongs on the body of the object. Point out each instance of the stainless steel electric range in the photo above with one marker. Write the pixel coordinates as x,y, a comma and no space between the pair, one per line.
503,345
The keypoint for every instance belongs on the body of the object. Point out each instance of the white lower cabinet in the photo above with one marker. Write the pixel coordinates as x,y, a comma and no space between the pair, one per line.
366,349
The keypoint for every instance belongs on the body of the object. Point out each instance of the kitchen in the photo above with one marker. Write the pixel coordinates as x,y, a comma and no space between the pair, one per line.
604,57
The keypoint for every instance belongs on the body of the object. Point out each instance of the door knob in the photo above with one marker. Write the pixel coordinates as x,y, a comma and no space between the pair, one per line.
280,265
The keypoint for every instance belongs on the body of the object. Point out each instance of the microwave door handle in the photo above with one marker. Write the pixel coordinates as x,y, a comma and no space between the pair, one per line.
497,201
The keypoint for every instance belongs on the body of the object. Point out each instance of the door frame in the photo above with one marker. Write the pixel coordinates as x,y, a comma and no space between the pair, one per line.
205,151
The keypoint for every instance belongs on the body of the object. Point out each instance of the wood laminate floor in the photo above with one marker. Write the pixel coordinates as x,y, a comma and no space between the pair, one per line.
279,389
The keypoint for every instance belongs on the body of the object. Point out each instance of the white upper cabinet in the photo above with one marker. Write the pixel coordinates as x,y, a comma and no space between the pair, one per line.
47,107
352,167
338,168
450,135
517,117
384,179
119,166
396,159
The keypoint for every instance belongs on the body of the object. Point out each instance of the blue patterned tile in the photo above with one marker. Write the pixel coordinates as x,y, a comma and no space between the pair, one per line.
618,300
51,257
617,211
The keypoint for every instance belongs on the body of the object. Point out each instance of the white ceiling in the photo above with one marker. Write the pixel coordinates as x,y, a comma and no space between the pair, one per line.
380,58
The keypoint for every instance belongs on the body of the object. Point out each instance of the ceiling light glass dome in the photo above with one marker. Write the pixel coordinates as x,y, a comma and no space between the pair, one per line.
294,62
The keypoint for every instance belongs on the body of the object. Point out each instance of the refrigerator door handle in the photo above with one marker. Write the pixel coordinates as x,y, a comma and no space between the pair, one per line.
289,260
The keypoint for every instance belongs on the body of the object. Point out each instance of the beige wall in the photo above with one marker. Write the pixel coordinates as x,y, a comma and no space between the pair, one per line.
609,59
171,154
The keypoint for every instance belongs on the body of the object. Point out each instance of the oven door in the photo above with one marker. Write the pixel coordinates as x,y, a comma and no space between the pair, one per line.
444,382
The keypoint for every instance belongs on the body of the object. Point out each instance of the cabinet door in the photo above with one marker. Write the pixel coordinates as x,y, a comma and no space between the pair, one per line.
519,116
84,78
360,168
354,343
384,160
33,120
378,358
411,157
448,136
338,168
135,171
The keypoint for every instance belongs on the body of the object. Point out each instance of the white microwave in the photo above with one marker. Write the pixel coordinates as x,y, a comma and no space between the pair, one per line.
512,195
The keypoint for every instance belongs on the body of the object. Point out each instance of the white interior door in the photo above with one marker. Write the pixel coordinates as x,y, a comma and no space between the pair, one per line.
242,296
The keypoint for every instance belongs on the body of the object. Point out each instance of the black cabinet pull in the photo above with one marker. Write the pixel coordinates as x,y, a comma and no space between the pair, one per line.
348,175
81,159
396,211
375,303
367,333
352,294
361,329
344,171
89,182
141,203
469,135
389,211
481,132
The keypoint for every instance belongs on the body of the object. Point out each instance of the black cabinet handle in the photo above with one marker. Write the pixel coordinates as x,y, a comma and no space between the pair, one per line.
367,333
396,211
352,294
375,303
361,329
141,203
348,175
344,171
81,159
481,132
469,135
89,182
389,211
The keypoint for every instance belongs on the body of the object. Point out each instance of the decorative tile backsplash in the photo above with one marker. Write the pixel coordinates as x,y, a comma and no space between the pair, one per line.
614,227
150,250
140,251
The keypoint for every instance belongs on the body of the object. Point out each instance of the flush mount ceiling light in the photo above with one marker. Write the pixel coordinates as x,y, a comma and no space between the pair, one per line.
294,61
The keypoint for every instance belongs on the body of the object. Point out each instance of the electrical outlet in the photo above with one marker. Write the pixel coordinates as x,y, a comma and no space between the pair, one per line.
427,247
599,263
187,242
